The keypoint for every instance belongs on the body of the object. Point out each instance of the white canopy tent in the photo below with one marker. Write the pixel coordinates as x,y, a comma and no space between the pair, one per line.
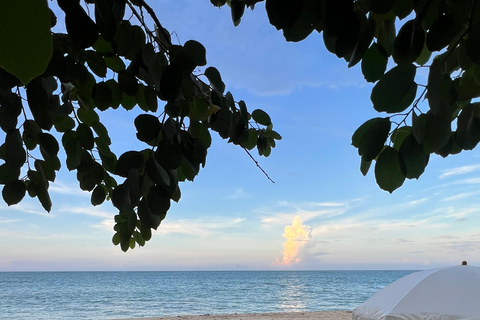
440,294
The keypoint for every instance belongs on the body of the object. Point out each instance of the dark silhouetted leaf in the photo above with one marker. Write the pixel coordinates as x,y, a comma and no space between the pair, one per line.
38,103
85,136
363,43
413,156
408,43
380,6
215,79
13,192
127,83
48,145
29,21
129,160
374,63
389,170
15,155
148,127
261,117
437,131
196,52
396,90
442,32
370,137
171,82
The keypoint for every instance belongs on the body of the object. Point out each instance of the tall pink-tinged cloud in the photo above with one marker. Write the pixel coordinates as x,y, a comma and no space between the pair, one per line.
297,236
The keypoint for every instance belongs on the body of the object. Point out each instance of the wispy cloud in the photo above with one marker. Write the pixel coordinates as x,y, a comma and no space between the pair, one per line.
27,208
89,211
459,170
239,194
67,189
198,227
306,210
2,221
460,196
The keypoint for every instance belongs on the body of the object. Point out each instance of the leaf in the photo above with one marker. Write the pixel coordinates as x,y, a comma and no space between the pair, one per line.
396,90
129,160
116,93
9,112
386,35
414,157
437,131
87,116
158,201
403,8
15,155
13,192
365,166
8,174
81,29
115,63
310,18
148,219
48,145
103,47
196,52
96,63
389,171
102,96
398,136
374,63
199,130
409,43
127,83
442,32
237,8
261,117
38,181
29,21
424,56
215,79
380,6
363,43
85,136
471,44
73,149
262,145
121,198
370,137
156,173
147,99
38,102
148,127
171,82
440,89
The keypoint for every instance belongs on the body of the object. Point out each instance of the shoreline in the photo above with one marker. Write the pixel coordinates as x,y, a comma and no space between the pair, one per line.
311,315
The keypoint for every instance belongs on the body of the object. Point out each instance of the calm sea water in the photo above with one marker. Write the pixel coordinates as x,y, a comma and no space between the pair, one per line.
114,295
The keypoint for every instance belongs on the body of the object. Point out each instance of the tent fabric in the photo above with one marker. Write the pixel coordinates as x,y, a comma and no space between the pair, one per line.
438,294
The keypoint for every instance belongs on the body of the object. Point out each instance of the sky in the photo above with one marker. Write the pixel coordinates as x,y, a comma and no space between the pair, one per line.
320,214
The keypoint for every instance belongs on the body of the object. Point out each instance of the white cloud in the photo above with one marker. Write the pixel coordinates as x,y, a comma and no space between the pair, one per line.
27,208
63,188
2,221
198,227
89,211
459,171
239,194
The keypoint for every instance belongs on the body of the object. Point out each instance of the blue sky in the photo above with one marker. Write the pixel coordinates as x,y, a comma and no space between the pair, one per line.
320,208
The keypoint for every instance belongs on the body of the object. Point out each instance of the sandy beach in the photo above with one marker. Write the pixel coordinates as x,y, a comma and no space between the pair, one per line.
318,315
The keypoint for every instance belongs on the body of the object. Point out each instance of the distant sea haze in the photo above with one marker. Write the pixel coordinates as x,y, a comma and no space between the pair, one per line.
115,295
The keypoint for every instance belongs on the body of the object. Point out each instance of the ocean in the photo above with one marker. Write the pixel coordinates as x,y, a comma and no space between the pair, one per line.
115,295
